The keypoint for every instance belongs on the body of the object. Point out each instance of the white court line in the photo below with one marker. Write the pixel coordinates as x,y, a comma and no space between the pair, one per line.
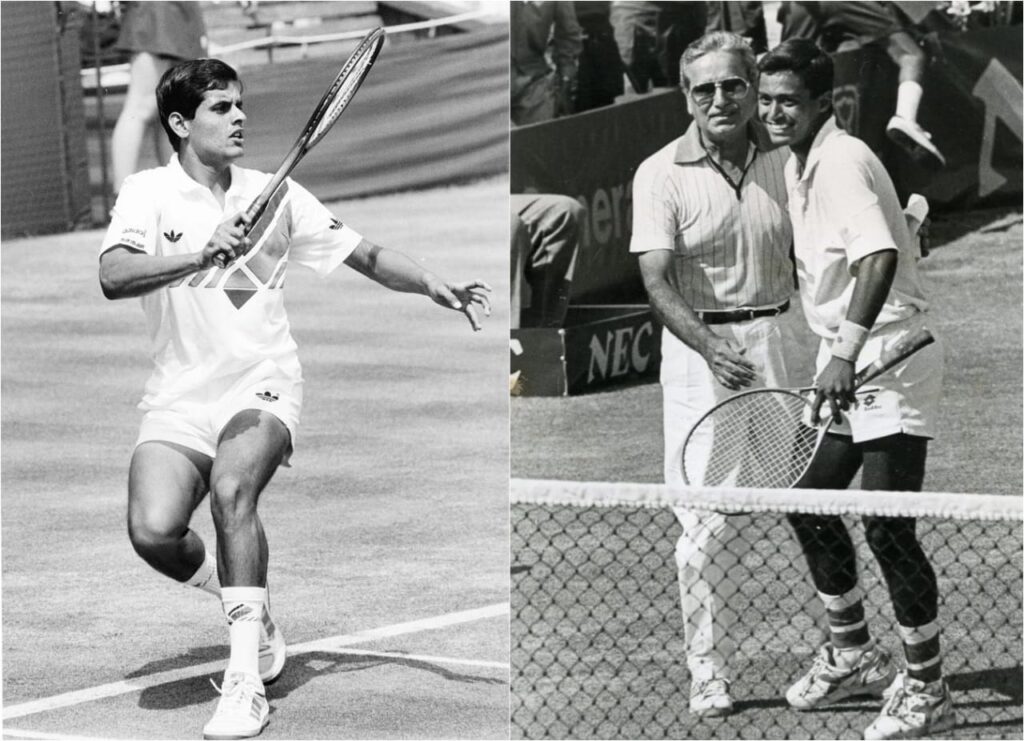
13,733
114,689
422,657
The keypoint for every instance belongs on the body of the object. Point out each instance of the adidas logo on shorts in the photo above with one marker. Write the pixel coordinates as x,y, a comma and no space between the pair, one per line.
268,396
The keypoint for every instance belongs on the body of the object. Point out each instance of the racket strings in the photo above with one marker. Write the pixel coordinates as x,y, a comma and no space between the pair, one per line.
757,440
350,78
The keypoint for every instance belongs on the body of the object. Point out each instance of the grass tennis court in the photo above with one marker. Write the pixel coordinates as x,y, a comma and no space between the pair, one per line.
597,630
973,278
388,568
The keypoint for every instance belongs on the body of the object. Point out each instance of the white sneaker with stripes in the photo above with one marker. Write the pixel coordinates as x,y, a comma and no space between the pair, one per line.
242,711
830,681
710,698
913,709
272,649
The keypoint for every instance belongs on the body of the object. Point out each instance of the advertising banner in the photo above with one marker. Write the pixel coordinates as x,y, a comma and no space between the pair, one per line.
972,107
598,348
592,157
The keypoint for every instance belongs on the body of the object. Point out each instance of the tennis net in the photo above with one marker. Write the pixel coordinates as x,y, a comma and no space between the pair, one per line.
598,647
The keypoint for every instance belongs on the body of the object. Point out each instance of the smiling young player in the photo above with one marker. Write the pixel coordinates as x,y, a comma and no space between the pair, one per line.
861,293
222,405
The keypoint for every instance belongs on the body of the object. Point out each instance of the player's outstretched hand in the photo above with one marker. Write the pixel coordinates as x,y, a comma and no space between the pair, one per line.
471,298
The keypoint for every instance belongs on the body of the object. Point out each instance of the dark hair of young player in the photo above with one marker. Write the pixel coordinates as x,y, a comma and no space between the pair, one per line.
181,89
803,58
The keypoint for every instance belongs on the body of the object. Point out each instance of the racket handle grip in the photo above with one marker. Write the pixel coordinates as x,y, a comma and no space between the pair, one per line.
895,354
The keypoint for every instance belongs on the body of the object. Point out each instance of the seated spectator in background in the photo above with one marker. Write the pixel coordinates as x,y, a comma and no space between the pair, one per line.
600,69
158,35
540,93
546,231
652,36
838,26
745,19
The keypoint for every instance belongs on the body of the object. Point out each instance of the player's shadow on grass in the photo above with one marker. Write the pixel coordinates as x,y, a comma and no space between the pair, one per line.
299,670
1007,682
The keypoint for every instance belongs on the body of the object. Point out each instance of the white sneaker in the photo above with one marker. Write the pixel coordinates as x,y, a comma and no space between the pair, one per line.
272,649
242,711
913,709
710,698
915,140
869,674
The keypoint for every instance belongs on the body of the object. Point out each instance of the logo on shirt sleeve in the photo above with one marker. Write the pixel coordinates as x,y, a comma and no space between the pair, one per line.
133,237
172,236
336,224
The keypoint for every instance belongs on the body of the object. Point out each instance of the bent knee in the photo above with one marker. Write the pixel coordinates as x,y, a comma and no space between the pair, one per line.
232,497
151,534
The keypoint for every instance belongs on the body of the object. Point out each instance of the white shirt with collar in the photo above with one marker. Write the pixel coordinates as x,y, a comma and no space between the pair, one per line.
843,206
221,322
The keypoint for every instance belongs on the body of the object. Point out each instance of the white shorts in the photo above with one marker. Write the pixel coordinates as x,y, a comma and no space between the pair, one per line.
907,396
196,421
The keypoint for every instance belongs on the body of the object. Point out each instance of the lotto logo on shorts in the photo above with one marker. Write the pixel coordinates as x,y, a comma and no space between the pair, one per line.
268,396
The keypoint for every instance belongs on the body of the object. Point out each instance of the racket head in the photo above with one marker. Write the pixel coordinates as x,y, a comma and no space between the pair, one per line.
344,88
760,438
327,111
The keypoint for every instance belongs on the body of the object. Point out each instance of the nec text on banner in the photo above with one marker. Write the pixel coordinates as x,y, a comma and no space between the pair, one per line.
592,157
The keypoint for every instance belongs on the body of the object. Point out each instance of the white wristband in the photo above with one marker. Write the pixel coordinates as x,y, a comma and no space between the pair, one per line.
849,340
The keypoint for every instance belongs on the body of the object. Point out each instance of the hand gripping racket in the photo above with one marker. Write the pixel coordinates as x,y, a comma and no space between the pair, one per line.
327,111
762,438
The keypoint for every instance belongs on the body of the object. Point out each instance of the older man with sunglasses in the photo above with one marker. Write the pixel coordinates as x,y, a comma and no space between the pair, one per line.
711,228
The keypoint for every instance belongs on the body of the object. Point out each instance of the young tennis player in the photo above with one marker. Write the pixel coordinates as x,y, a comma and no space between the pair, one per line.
222,405
856,264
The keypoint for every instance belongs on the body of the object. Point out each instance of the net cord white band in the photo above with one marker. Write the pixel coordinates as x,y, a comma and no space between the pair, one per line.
956,506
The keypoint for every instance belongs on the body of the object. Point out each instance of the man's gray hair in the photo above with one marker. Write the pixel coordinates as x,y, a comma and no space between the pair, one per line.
719,41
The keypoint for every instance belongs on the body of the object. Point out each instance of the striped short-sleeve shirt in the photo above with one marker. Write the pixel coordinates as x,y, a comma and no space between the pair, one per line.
731,241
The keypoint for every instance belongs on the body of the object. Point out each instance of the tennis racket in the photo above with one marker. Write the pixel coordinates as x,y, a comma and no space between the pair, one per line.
327,111
763,438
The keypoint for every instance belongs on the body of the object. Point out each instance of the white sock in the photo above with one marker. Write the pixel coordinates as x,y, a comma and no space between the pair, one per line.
908,99
206,577
243,607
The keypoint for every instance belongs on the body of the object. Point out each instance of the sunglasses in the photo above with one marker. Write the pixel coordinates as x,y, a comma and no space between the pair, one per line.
733,88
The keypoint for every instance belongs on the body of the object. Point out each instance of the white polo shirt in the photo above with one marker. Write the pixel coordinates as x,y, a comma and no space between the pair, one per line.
221,322
843,207
731,241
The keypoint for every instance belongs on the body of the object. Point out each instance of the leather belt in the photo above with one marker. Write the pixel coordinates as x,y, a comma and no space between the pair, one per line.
740,315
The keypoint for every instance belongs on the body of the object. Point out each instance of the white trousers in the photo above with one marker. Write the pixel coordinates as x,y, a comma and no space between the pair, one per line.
710,551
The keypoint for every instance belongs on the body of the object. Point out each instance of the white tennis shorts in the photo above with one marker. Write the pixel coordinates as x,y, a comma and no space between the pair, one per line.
907,396
196,421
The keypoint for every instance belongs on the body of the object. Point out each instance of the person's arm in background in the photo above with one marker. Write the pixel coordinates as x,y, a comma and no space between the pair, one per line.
566,45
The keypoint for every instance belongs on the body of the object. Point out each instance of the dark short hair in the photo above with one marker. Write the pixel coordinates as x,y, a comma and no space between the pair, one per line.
803,58
181,89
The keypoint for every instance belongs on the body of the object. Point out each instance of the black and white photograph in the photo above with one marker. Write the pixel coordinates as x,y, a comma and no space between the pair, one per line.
765,368
223,519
